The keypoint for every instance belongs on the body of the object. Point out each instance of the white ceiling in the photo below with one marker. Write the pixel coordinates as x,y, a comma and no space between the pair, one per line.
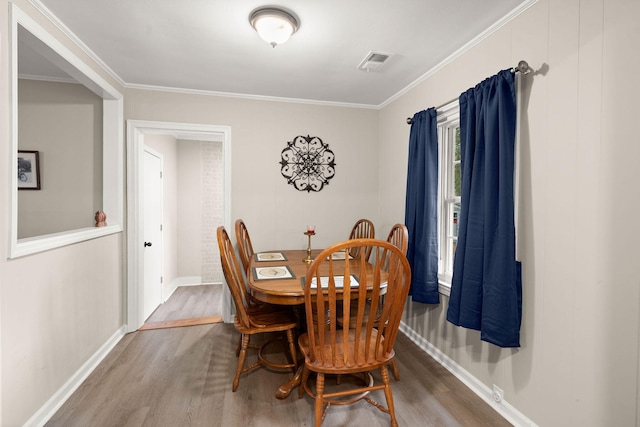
208,45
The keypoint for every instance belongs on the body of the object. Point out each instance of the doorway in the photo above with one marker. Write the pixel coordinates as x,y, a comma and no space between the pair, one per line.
136,131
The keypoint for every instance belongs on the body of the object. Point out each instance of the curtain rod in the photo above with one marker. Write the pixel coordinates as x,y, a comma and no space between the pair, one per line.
522,67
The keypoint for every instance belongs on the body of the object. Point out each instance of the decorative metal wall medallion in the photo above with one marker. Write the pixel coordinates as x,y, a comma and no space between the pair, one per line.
307,163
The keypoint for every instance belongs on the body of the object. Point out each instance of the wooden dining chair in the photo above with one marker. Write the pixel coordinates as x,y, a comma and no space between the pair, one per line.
250,321
245,248
362,229
398,237
343,348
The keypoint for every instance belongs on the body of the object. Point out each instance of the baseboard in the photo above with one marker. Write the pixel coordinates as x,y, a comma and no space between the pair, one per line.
57,400
510,413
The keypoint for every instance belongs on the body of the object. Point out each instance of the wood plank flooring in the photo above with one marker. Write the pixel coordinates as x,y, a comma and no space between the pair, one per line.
189,302
182,377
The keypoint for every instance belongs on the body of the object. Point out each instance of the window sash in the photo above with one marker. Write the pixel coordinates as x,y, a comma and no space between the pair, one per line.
448,192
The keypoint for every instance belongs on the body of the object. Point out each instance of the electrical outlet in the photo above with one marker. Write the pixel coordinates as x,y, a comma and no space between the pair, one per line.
497,394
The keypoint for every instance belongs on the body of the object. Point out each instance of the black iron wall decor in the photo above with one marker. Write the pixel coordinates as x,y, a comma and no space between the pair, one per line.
307,163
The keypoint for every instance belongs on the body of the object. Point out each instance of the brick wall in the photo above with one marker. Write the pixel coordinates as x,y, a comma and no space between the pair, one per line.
212,210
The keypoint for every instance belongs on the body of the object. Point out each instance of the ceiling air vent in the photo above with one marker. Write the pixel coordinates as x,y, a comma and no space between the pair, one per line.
373,61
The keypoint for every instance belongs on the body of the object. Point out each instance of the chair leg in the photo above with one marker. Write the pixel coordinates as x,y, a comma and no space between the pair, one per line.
387,393
319,392
292,349
303,381
241,358
239,345
394,368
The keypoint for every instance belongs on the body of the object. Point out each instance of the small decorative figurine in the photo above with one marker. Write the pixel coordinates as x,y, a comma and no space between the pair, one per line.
101,219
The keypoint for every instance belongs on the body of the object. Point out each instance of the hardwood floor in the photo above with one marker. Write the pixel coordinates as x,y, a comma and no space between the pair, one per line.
182,377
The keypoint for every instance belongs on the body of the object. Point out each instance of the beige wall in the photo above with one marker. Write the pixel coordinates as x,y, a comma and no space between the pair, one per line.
275,212
190,207
578,364
58,119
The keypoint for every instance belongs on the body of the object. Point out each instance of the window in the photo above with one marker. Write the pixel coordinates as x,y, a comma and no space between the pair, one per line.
448,191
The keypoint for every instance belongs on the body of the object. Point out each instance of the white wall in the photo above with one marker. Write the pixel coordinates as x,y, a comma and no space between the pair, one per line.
578,364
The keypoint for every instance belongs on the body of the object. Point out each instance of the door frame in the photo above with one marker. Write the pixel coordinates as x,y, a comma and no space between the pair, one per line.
136,129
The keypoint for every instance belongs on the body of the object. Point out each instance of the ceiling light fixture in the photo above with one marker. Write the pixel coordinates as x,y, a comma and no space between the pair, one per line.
273,25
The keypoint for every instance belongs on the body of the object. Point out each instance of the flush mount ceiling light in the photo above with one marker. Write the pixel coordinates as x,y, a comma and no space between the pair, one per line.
273,25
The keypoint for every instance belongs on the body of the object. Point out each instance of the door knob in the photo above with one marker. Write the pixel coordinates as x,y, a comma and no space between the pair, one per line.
147,244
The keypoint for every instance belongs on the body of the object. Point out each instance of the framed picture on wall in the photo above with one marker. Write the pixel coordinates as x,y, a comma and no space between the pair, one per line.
28,170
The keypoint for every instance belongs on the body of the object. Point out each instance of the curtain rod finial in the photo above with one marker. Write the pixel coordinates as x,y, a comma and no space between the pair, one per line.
523,67
409,120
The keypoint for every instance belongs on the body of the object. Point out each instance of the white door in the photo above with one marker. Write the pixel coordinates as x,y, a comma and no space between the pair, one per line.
152,208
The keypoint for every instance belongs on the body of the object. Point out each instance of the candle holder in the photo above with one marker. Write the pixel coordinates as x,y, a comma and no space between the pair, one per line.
308,258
